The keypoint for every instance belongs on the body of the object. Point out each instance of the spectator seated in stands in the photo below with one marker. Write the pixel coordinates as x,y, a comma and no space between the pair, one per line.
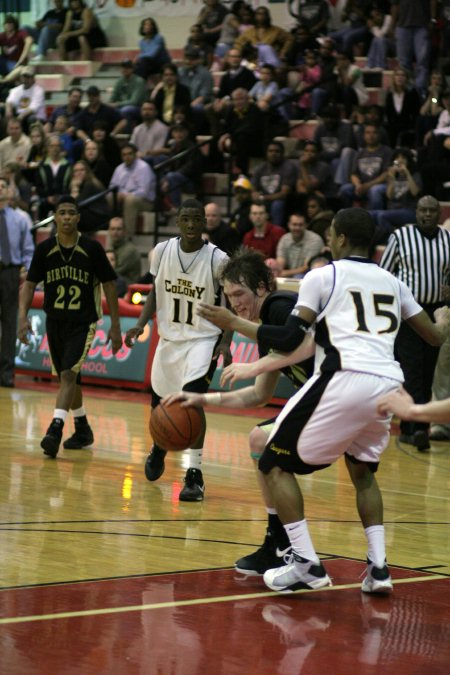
153,54
101,169
243,125
197,41
371,114
379,25
336,143
47,29
401,109
403,189
184,173
81,31
15,46
121,283
431,108
296,247
355,30
127,96
218,232
19,186
236,21
240,217
151,135
61,127
52,176
128,260
170,93
313,14
273,181
272,42
369,172
211,19
351,90
27,100
16,146
264,236
83,185
71,110
136,186
314,176
303,82
96,111
236,76
198,80
107,144
38,150
318,216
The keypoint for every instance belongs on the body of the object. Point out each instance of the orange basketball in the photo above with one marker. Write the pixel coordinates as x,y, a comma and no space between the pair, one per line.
174,427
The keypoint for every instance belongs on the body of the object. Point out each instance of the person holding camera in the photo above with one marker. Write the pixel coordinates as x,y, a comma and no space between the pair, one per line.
403,186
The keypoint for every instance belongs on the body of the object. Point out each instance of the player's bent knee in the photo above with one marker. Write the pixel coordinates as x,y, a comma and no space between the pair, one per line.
257,441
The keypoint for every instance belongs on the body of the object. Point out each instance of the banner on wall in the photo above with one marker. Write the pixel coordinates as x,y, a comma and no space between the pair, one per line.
141,8
128,364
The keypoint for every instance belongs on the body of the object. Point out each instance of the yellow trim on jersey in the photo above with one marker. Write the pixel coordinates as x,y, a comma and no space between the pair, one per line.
87,345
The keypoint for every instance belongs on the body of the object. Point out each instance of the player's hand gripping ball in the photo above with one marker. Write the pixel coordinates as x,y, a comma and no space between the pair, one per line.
173,427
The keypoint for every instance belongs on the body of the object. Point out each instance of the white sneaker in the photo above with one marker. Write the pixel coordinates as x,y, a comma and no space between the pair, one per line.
378,579
37,58
298,573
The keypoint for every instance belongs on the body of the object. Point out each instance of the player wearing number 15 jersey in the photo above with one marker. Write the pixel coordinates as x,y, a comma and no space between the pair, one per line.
186,271
71,267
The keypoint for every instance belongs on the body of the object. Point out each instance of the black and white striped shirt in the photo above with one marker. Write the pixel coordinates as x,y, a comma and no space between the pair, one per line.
422,263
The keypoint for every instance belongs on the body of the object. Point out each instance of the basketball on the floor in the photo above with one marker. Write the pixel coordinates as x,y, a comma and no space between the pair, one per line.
174,427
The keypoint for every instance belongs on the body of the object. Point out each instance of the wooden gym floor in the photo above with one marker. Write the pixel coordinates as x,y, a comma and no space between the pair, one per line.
104,572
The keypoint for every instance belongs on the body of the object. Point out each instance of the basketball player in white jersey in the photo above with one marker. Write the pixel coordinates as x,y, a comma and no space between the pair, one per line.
185,271
356,308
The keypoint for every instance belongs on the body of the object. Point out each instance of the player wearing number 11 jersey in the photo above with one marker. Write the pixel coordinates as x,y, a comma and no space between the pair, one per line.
71,267
186,271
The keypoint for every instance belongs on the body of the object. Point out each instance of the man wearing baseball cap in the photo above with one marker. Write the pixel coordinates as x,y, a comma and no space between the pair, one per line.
27,100
94,111
240,218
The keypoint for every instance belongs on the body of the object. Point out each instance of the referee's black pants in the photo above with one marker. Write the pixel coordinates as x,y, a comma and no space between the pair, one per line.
9,304
418,361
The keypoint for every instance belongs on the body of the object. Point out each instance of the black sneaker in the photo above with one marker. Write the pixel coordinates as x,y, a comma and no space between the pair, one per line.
81,438
422,441
52,439
194,487
154,464
268,556
377,579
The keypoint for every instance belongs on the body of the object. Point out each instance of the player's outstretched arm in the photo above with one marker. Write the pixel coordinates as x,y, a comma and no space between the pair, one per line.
258,394
25,300
272,362
148,311
225,319
401,404
433,333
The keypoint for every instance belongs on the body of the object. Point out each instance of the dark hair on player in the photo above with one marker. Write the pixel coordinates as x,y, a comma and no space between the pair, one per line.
247,267
356,224
66,199
192,204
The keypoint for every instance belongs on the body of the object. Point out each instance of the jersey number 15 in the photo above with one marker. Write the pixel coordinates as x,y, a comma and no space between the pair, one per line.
379,299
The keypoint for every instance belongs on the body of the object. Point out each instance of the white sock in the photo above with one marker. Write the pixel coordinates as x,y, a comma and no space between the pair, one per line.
79,412
271,511
376,551
300,539
59,413
195,458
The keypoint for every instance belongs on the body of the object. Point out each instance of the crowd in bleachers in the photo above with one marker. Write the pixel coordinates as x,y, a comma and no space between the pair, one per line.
292,114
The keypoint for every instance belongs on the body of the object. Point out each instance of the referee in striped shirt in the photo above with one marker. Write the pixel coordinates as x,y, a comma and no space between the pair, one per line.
419,255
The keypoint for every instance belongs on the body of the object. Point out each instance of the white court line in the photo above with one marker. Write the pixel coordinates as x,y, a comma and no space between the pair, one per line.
190,603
